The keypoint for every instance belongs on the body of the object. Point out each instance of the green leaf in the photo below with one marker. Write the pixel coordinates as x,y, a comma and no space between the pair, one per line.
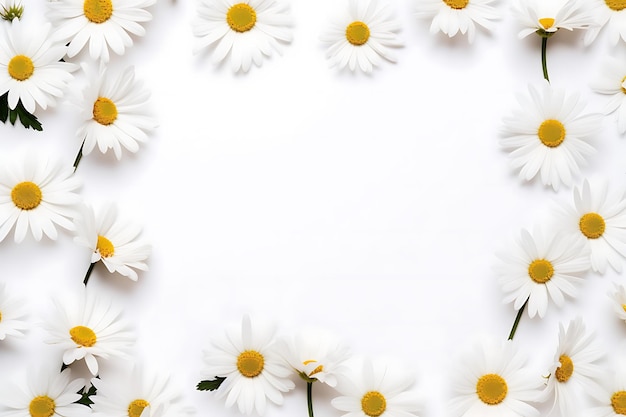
86,396
207,385
27,119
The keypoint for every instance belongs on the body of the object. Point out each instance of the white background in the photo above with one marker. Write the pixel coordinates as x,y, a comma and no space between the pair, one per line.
366,205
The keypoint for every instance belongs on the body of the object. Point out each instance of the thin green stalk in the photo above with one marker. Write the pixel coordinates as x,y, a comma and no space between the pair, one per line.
544,64
517,319
79,156
309,397
88,274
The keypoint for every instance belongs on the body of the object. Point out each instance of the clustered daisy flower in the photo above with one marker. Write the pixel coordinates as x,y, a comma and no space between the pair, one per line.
613,399
611,81
12,314
546,17
618,301
610,16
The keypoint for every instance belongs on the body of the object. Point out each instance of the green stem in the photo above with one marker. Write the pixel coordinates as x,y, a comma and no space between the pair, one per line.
517,319
309,397
79,156
544,65
88,274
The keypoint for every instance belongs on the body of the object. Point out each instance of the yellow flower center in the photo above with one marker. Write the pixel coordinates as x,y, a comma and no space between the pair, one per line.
491,389
26,195
592,225
105,247
98,11
616,5
373,403
317,370
104,111
0,317
551,133
456,4
241,17
41,406
83,336
540,271
624,307
135,408
623,83
21,67
564,372
546,22
618,401
250,363
357,33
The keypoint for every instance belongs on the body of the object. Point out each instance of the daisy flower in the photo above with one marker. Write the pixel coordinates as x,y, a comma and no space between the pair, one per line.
113,113
114,241
105,24
362,36
254,372
30,67
613,397
611,81
140,394
48,393
247,30
11,9
491,379
374,389
12,311
546,17
539,268
618,298
454,16
549,134
38,194
574,370
87,328
610,14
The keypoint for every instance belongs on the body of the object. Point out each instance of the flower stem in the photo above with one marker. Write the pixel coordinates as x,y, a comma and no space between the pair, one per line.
517,319
79,156
309,397
88,274
544,65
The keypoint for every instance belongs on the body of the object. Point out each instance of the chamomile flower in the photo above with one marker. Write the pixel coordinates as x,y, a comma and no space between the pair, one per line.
575,370
114,240
611,81
362,36
549,134
12,313
36,194
491,379
610,14
613,397
618,299
452,17
541,268
88,327
374,389
248,358
30,66
246,30
113,113
47,393
546,17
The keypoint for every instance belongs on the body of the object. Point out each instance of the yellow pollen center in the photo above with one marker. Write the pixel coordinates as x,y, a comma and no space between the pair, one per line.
618,401
373,403
41,406
0,316
551,133
26,195
135,408
564,372
250,363
456,4
21,67
540,271
616,5
624,307
104,111
592,225
623,84
241,17
98,11
357,33
105,247
83,336
546,22
491,389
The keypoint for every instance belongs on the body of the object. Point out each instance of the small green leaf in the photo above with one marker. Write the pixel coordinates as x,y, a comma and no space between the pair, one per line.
207,385
86,396
27,119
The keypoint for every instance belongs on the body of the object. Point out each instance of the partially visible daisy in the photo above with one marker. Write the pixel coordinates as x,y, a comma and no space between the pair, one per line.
114,240
541,268
11,9
104,24
31,72
611,81
248,358
88,327
610,14
457,16
362,36
575,370
546,17
12,312
47,393
491,379
113,113
36,194
246,30
549,134
375,389
618,299
613,397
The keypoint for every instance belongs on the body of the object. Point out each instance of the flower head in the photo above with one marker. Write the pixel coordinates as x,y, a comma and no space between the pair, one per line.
610,14
613,396
546,17
611,81
618,300
12,311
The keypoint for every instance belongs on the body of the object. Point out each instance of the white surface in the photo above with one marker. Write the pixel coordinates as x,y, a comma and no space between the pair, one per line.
370,206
